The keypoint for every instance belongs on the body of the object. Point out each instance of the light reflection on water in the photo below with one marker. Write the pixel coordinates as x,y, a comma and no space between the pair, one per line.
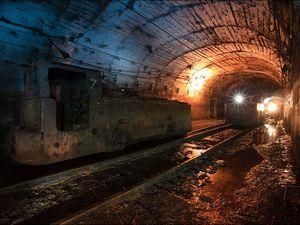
197,147
271,130
194,148
230,177
266,134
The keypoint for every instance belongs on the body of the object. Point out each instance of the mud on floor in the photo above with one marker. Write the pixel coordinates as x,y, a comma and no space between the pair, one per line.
244,186
68,194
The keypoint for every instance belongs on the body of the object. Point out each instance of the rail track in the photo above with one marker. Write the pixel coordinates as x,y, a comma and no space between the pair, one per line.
85,188
136,192
12,173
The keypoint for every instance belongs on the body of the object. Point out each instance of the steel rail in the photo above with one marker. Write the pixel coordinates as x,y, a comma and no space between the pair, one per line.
140,189
102,165
59,178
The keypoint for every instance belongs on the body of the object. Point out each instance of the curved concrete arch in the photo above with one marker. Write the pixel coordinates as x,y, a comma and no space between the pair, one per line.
273,51
234,58
212,44
267,72
209,65
189,5
234,75
216,45
242,73
251,56
251,30
256,31
251,53
223,26
255,55
175,9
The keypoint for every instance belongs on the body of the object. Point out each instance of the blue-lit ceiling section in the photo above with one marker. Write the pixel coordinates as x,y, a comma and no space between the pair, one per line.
154,47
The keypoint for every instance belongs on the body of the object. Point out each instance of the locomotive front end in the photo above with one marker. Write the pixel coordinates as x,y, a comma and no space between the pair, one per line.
25,147
25,143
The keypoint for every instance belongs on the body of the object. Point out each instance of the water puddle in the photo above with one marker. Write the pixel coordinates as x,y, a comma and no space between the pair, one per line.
232,175
195,148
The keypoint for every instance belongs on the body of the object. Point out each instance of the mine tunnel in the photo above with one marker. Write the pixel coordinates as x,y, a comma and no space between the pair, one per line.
149,112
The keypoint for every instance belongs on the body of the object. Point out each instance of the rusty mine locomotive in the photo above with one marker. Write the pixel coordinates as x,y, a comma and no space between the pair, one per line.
67,115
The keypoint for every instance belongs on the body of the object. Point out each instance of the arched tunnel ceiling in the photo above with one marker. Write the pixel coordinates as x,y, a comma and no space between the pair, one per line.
262,85
152,46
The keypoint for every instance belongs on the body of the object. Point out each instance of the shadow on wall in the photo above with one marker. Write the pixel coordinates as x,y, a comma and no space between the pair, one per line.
11,90
9,116
292,116
208,108
200,112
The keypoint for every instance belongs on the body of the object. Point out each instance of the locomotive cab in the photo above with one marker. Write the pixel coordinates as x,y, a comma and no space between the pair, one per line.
55,110
67,116
69,90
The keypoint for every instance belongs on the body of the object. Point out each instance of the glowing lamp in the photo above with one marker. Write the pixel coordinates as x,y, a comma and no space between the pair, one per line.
199,78
260,107
239,98
266,101
272,107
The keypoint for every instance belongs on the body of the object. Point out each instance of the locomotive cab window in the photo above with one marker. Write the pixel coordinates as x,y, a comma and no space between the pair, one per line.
69,89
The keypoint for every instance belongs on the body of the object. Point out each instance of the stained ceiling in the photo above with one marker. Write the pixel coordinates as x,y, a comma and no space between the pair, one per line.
154,47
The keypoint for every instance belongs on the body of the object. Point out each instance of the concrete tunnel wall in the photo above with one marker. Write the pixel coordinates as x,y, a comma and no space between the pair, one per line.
292,90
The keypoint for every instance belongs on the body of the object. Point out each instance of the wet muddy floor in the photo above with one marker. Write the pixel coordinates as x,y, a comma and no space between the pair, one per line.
232,175
12,173
248,184
41,202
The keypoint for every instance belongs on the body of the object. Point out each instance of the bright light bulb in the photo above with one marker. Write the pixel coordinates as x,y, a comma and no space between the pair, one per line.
266,101
199,78
260,107
239,98
272,107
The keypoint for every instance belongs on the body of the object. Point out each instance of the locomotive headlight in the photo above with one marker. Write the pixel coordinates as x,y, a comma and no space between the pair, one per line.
272,107
239,98
260,107
267,100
